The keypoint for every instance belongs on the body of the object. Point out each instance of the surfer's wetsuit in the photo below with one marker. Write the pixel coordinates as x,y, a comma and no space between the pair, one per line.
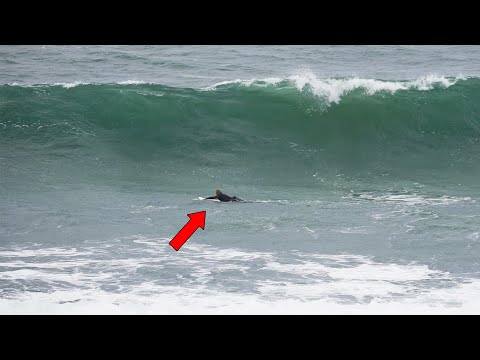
224,198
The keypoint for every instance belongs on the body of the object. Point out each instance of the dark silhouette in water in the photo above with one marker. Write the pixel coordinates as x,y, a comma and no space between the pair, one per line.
224,197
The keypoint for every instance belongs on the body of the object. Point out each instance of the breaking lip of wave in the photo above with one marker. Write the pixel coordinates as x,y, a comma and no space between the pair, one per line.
331,89
69,85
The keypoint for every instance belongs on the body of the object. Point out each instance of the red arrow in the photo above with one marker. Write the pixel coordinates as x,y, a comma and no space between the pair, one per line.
196,220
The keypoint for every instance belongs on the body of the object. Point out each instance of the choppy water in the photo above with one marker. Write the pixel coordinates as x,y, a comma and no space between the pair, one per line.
360,165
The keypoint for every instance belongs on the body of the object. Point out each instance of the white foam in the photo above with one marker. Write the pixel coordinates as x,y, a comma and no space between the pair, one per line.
132,82
149,208
228,82
429,81
329,88
175,300
54,251
150,93
332,89
303,283
256,82
71,84
412,199
148,241
474,236
351,230
271,201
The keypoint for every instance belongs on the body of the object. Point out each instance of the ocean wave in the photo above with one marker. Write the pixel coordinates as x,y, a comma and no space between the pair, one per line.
332,89
378,126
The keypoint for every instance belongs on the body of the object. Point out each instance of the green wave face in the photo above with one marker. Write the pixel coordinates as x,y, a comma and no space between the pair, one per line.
280,132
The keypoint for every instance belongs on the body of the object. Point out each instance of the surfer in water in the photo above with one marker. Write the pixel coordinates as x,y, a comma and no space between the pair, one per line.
223,197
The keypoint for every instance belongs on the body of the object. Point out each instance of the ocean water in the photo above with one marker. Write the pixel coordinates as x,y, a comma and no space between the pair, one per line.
360,166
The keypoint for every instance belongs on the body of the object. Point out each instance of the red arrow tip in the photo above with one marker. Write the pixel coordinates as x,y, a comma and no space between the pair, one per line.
198,218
